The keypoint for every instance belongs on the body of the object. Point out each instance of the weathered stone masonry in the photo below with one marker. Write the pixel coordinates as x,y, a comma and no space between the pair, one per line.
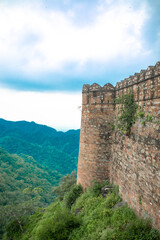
131,162
95,140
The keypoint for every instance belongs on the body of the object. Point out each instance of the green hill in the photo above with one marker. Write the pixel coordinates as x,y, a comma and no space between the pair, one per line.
18,173
49,156
57,150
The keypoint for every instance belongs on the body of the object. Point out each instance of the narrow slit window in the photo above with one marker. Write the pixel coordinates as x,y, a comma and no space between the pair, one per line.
87,99
94,94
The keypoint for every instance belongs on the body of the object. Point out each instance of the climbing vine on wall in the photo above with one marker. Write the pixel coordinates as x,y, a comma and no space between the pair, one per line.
127,112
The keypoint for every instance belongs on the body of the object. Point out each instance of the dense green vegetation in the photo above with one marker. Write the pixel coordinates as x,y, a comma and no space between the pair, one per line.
24,185
57,150
83,216
48,156
27,179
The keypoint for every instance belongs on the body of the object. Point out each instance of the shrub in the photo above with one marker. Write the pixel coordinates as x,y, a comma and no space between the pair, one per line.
65,185
139,229
128,111
122,216
107,234
57,225
14,228
72,195
95,189
126,225
111,200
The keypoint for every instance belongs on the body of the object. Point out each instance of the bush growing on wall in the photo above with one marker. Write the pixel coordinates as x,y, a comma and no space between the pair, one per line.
128,110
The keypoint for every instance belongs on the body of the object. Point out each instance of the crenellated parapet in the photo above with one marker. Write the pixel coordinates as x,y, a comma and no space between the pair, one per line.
97,87
95,94
145,84
144,75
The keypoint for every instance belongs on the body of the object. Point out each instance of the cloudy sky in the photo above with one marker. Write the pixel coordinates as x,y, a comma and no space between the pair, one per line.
50,48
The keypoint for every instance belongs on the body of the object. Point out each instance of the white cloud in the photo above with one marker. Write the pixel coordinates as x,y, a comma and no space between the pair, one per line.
34,39
58,110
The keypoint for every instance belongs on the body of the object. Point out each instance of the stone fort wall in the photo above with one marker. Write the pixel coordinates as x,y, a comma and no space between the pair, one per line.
131,162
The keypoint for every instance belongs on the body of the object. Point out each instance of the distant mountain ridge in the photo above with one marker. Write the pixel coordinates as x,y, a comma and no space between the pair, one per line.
36,133
56,149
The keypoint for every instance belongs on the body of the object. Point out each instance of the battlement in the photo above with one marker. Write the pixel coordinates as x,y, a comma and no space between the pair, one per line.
137,78
96,87
95,94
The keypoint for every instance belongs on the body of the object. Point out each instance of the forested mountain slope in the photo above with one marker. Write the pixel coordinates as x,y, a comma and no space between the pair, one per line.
22,180
41,134
18,173
57,150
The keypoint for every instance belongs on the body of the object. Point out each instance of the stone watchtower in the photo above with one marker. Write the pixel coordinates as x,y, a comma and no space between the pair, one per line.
95,138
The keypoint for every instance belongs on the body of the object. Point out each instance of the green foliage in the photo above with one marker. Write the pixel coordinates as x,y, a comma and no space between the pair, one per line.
95,189
59,226
122,216
140,200
14,229
24,186
112,125
65,185
158,122
97,218
149,118
145,118
126,225
128,110
139,229
143,122
140,114
112,199
72,195
107,234
56,222
17,174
